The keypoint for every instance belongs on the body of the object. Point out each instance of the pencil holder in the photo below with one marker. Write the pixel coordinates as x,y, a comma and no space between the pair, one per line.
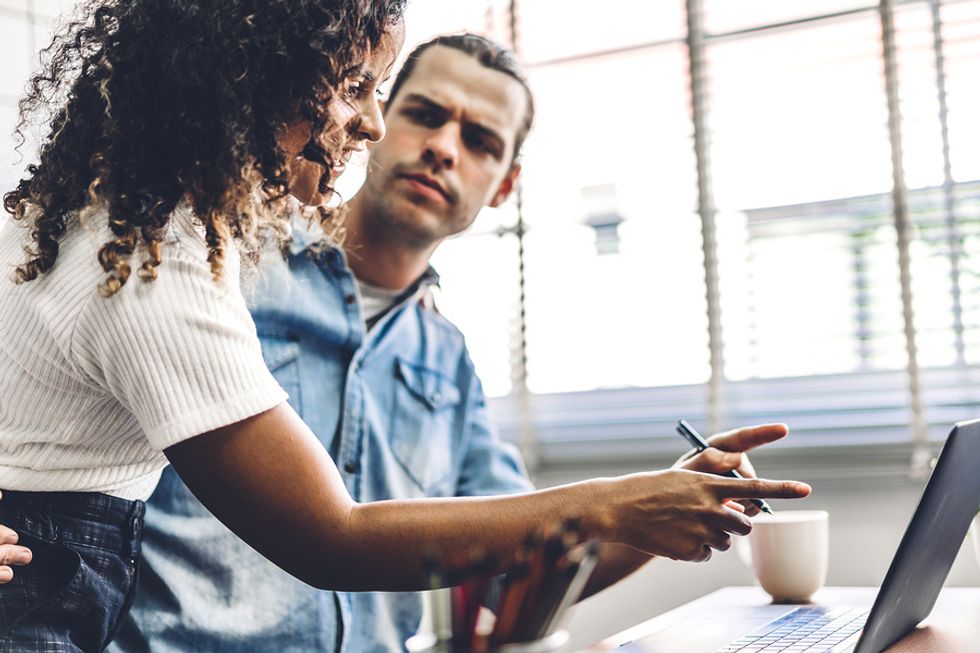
427,643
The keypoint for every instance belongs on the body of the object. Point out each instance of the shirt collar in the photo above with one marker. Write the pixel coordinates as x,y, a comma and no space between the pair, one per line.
304,233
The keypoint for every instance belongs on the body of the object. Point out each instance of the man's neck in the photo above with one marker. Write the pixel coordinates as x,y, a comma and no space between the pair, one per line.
376,258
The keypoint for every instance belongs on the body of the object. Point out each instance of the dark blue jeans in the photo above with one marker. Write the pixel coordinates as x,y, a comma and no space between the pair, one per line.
82,578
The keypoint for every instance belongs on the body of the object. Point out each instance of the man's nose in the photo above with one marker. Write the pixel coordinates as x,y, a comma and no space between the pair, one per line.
442,146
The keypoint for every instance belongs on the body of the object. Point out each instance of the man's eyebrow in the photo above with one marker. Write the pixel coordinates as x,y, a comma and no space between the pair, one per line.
429,104
482,130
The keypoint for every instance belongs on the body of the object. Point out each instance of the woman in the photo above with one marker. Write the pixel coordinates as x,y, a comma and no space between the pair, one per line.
176,149
180,128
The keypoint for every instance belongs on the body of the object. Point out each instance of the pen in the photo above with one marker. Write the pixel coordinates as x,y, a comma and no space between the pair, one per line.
576,574
688,433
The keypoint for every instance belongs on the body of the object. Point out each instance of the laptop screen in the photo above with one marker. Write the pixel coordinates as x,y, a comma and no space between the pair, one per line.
930,544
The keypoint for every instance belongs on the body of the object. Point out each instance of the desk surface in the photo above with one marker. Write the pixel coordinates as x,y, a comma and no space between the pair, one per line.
952,627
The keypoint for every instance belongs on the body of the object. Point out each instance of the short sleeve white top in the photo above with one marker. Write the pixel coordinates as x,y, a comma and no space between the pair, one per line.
93,388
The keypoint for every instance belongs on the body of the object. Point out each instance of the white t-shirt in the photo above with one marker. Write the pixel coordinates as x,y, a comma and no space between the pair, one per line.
93,388
376,301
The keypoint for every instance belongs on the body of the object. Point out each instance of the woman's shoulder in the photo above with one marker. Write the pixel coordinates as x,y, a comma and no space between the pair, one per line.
183,254
186,231
71,266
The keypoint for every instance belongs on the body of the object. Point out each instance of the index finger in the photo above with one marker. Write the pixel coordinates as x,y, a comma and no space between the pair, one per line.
749,437
759,488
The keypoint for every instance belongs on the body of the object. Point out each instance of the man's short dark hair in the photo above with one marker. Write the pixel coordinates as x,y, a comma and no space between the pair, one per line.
491,55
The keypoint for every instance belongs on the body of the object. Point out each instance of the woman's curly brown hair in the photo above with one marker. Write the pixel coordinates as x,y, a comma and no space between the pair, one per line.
161,101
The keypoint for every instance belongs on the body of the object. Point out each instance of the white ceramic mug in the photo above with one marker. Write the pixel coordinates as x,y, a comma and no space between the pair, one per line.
790,553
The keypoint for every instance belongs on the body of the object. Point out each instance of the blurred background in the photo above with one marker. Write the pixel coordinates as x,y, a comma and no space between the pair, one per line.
731,212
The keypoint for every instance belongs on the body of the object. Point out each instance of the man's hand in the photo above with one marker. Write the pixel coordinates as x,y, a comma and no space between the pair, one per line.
10,553
727,453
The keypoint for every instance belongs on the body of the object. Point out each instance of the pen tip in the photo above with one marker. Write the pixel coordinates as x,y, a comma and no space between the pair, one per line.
767,510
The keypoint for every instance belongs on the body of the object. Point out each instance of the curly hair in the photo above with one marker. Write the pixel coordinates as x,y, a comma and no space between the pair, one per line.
156,102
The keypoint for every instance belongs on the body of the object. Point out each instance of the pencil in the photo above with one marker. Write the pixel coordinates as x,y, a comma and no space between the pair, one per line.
580,576
541,581
510,606
700,444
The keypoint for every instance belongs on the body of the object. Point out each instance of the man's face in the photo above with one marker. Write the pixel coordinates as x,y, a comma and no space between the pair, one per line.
449,148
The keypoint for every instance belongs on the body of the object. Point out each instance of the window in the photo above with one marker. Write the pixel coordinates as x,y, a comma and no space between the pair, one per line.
722,16
621,25
25,27
606,318
16,34
799,160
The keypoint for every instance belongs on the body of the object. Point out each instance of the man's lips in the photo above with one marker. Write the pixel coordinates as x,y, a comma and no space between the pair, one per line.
427,183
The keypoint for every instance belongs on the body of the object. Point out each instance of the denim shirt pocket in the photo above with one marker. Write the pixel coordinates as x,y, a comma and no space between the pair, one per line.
423,423
281,356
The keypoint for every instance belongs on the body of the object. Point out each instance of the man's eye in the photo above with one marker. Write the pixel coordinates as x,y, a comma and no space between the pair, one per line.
484,146
424,117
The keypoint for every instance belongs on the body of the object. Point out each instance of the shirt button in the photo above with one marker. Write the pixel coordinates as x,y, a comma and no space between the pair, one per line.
350,299
350,468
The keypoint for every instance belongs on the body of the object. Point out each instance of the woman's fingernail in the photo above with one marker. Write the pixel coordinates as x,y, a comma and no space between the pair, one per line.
23,558
6,574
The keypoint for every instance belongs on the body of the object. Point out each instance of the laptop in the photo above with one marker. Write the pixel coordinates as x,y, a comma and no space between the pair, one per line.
914,579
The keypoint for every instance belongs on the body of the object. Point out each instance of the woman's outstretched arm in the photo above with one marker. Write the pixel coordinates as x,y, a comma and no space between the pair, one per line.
271,482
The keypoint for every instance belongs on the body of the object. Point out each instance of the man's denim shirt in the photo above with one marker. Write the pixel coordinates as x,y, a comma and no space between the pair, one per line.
403,415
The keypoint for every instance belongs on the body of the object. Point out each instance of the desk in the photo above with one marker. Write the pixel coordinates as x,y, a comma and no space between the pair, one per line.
952,627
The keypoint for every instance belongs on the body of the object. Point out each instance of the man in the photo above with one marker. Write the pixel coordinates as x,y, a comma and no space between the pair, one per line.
381,378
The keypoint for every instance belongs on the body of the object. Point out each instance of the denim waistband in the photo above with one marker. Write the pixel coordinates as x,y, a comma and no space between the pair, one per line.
87,518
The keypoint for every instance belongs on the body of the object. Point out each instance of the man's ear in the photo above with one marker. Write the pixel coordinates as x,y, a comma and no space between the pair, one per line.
506,186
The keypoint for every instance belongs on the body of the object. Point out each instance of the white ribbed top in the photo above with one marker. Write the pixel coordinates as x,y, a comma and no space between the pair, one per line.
92,389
